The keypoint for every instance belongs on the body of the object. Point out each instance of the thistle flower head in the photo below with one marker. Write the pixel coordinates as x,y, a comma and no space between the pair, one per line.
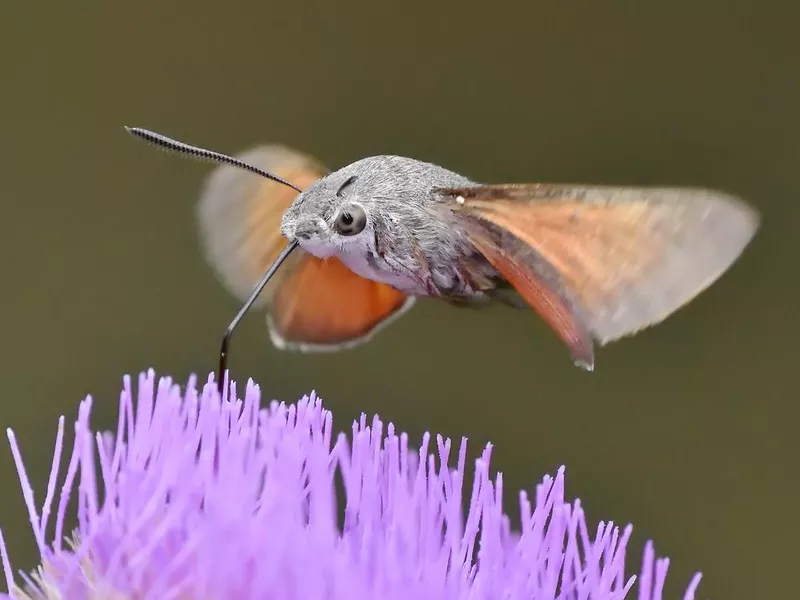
201,498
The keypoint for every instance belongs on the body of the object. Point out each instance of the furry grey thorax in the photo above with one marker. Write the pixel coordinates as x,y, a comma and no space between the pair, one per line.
412,239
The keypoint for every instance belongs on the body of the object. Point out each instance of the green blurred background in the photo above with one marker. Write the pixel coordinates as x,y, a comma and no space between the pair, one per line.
687,430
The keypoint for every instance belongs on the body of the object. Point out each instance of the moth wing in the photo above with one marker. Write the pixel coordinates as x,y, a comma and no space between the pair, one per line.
605,261
312,304
324,306
239,218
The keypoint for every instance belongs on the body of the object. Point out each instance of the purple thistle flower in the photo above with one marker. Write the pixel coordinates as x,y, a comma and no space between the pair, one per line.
205,499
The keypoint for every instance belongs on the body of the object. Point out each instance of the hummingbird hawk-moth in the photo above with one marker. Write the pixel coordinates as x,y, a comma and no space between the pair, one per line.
597,263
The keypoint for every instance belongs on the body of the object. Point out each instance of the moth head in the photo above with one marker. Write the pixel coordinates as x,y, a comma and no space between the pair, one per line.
331,216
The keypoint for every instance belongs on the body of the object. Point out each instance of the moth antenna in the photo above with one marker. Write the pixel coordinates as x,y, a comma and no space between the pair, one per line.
198,153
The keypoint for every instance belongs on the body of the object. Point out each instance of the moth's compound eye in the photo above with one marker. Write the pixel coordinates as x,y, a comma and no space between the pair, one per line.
351,220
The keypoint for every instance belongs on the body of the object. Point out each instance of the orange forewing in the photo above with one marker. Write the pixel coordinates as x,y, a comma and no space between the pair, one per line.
628,257
596,249
313,304
322,303
240,213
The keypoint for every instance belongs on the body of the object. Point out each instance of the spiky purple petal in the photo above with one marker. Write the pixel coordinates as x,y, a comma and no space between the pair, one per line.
208,499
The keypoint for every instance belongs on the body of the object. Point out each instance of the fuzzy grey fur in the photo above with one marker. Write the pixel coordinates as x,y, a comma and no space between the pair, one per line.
412,240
